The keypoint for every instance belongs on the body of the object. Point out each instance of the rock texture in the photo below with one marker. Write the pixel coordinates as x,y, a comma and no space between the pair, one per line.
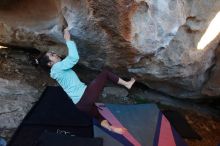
16,99
114,92
212,86
21,84
154,40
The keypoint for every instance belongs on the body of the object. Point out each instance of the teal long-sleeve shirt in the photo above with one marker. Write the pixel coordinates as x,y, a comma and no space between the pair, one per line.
62,72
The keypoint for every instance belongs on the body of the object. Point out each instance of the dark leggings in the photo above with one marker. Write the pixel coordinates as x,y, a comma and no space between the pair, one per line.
92,92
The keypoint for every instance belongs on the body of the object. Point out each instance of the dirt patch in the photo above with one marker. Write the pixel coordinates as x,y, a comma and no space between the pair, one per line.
207,127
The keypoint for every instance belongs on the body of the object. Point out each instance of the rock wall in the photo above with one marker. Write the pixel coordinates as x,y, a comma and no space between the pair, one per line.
14,105
21,85
212,86
154,40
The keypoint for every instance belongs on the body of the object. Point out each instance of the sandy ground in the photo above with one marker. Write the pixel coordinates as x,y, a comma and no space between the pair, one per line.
207,127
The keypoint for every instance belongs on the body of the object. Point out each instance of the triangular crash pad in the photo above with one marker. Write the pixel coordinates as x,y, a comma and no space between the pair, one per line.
146,125
56,108
54,111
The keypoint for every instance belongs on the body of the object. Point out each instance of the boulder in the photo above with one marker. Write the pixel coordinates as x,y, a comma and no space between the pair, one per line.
212,86
155,41
16,100
117,92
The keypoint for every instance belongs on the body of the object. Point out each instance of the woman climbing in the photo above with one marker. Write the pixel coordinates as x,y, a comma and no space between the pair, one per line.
83,96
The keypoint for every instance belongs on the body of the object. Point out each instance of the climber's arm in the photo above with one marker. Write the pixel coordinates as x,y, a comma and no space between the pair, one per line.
73,57
66,34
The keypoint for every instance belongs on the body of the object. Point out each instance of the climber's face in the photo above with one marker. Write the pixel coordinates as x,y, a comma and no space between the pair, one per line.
54,58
